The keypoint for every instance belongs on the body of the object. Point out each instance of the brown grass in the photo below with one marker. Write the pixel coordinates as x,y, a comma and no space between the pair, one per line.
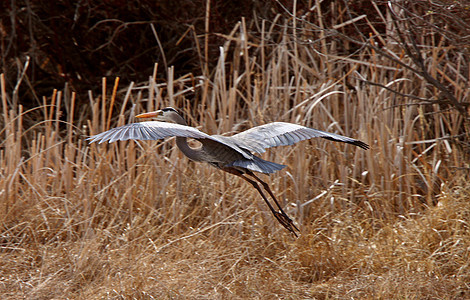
138,220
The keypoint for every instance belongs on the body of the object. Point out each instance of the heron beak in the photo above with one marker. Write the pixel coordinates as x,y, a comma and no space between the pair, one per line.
151,114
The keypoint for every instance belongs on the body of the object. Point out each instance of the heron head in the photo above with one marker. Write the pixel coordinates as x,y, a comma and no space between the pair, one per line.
167,114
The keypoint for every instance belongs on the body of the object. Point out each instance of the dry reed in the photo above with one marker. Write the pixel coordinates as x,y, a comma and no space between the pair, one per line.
138,220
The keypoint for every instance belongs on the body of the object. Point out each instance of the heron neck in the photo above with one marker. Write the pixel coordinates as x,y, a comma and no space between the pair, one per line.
193,154
182,142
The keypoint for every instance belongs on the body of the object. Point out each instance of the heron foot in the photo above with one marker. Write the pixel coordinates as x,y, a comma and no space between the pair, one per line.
286,222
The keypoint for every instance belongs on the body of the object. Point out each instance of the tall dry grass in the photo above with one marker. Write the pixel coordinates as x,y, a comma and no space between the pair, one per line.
138,220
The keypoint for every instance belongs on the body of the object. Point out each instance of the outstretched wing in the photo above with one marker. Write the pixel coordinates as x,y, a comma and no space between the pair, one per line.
154,130
258,139
151,130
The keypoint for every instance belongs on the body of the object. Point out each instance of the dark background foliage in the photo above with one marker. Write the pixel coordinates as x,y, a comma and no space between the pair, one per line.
79,42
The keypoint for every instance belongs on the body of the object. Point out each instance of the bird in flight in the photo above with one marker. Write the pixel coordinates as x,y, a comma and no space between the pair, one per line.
232,154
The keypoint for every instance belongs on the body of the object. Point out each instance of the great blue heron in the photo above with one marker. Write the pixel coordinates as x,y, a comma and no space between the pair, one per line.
232,154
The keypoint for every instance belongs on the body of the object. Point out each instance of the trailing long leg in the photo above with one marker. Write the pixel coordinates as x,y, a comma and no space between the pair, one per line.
268,189
280,216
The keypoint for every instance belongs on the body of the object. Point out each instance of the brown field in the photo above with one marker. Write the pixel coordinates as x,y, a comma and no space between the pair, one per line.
138,220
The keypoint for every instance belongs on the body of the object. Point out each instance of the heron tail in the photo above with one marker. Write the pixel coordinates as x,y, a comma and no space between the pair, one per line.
258,165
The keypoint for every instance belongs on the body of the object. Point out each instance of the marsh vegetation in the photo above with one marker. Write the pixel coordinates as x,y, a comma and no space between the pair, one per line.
138,220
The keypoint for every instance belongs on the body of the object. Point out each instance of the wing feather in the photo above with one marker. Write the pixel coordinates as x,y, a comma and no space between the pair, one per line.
258,139
296,137
114,136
